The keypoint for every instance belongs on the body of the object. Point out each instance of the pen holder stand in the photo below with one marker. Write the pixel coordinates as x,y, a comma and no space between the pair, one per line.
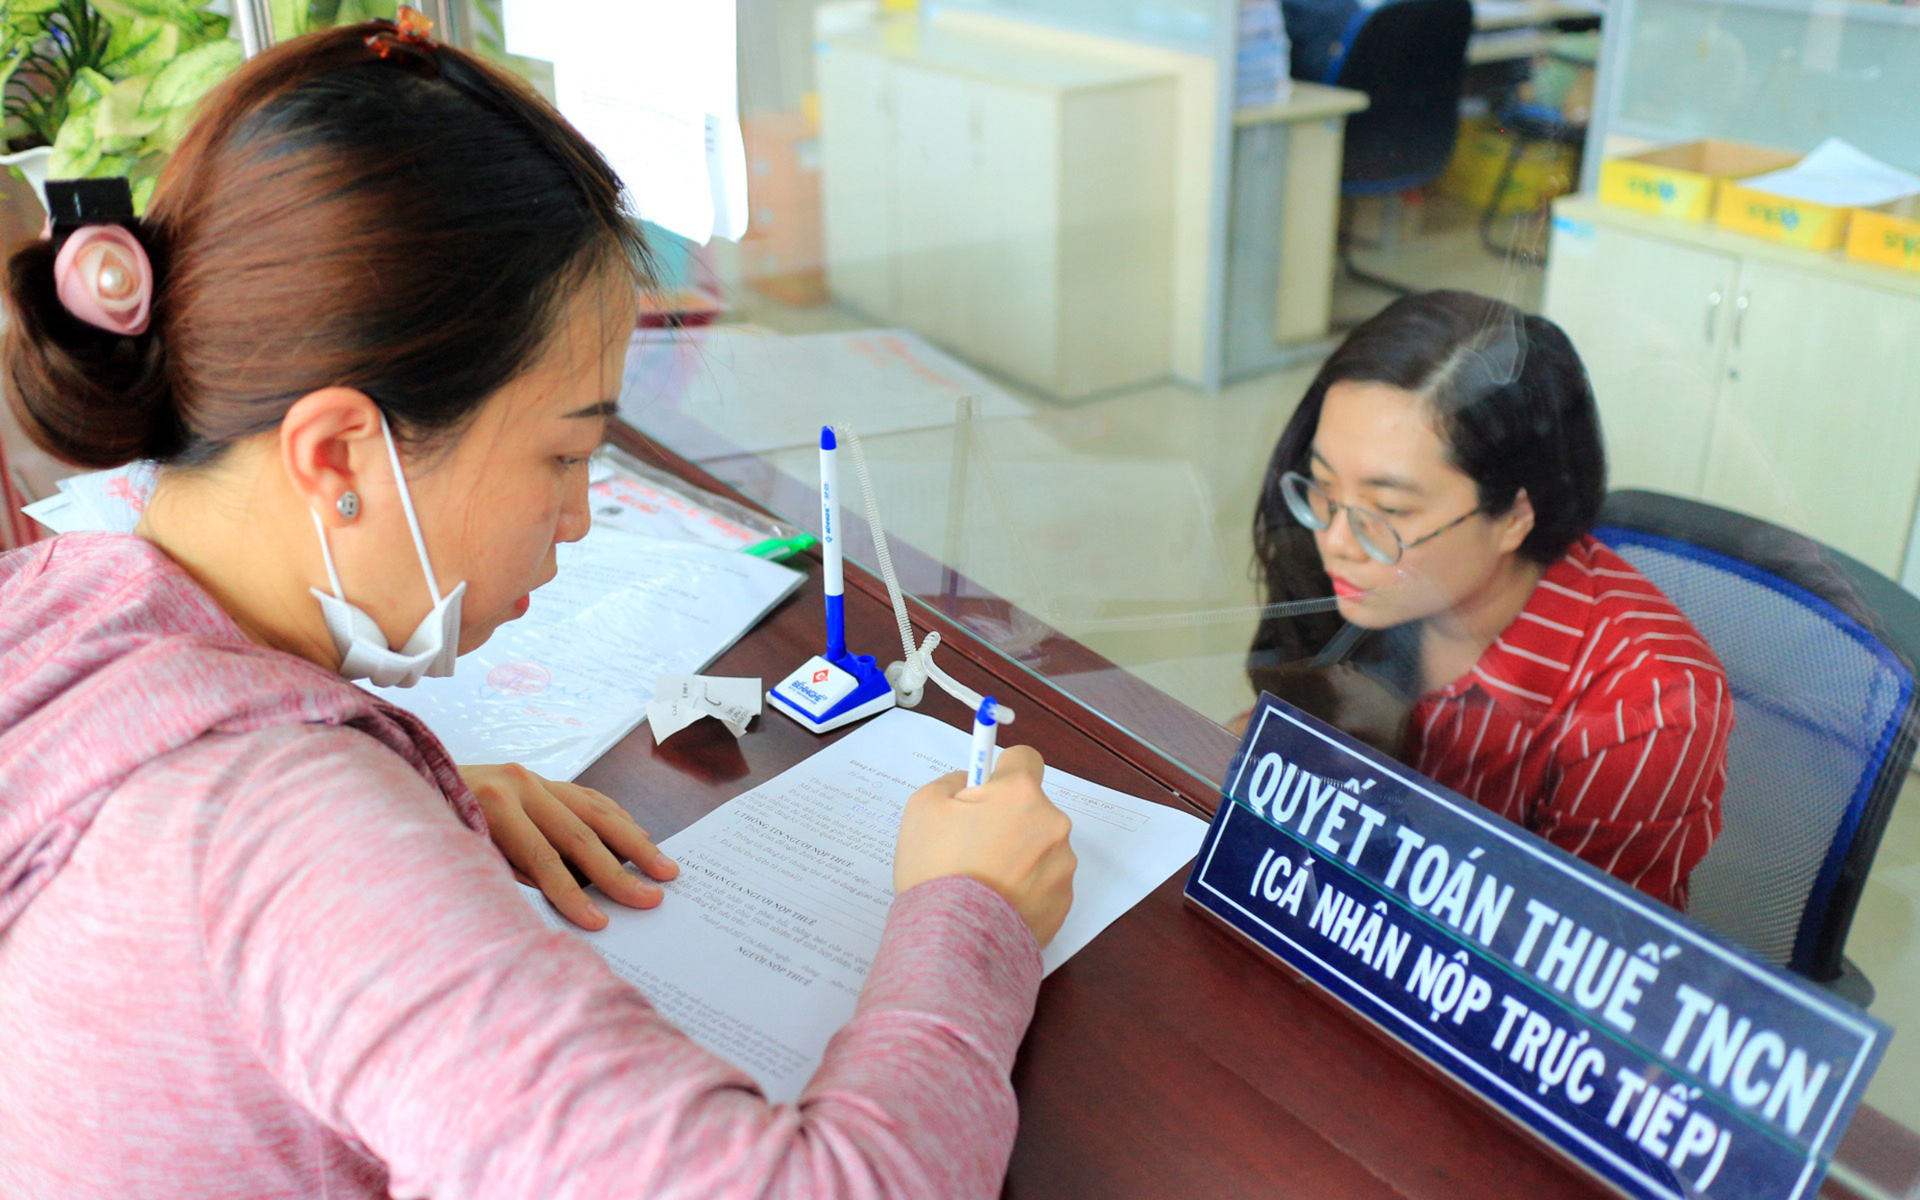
824,695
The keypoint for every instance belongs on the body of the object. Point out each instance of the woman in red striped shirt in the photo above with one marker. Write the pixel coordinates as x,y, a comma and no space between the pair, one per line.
1440,479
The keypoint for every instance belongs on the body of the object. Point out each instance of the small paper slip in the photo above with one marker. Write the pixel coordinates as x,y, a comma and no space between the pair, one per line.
767,934
680,700
557,688
58,512
1840,175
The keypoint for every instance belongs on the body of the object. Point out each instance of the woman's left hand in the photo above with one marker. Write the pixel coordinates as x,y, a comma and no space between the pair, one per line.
541,825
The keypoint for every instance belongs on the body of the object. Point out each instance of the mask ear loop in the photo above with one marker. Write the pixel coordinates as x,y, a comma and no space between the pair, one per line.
406,505
326,556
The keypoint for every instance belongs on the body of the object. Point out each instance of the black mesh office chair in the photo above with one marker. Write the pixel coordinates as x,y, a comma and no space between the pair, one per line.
1410,58
1820,653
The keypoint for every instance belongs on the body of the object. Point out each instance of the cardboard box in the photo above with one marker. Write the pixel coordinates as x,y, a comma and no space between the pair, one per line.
1684,181
1780,219
1887,237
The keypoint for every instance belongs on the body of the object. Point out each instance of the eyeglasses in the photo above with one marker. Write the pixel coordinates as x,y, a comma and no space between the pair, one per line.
1314,508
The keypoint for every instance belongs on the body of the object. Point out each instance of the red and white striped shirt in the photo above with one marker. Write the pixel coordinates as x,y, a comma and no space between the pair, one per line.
1598,720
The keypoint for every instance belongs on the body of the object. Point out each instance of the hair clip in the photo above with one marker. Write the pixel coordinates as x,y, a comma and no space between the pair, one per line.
72,203
102,273
409,37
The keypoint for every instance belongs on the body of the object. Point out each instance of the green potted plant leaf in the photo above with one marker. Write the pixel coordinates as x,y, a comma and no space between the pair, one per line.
106,87
291,18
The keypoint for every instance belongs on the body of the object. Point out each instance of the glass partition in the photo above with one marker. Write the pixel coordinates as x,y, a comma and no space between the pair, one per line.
1774,72
1074,291
1104,549
1192,23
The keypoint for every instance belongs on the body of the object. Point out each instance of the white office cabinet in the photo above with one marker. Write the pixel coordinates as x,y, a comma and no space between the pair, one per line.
1759,378
1014,272
1014,206
1649,321
858,199
1819,422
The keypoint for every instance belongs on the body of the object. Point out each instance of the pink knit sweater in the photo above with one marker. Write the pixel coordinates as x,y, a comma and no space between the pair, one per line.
254,942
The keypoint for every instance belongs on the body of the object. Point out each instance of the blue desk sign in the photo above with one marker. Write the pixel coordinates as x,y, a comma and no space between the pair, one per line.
1666,1060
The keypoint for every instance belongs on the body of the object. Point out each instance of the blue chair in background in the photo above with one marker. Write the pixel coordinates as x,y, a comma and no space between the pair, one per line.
1820,652
1410,58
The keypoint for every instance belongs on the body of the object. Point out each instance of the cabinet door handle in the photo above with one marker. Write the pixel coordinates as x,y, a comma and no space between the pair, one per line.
1713,312
1740,317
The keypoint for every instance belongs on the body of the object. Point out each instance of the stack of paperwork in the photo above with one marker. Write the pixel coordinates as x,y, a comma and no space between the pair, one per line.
1263,72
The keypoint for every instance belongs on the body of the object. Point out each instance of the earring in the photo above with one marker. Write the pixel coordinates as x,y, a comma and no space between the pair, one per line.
348,505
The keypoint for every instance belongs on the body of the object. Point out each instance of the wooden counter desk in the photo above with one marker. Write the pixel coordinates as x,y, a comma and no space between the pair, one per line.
1167,1059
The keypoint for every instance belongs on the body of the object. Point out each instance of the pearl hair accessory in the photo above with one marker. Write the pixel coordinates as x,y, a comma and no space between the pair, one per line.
102,273
103,277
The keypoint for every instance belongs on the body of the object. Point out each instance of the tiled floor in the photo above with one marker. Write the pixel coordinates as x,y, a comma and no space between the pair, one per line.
1138,505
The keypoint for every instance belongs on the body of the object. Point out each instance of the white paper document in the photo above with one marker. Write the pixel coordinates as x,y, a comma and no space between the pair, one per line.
1840,174
714,392
557,688
653,85
763,942
680,700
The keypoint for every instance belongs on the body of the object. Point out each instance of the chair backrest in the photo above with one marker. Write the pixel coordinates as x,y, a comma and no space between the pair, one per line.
1819,651
1410,58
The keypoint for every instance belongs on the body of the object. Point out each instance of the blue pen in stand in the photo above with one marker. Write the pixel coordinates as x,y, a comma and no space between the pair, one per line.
839,687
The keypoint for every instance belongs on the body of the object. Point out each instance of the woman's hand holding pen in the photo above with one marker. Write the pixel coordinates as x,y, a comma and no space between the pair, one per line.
1004,833
541,825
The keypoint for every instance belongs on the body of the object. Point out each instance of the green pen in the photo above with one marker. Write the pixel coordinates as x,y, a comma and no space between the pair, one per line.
781,549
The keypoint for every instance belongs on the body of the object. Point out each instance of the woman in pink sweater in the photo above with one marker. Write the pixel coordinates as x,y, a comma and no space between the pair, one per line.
254,940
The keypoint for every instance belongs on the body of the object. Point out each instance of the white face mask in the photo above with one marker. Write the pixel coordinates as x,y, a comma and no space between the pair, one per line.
364,652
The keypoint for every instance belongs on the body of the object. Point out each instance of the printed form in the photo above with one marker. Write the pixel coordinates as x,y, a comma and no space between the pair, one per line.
763,942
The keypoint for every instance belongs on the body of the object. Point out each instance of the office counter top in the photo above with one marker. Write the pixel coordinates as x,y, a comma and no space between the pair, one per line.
1307,102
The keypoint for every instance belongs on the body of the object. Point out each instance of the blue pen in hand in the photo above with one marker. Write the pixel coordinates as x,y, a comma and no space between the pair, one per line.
985,729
